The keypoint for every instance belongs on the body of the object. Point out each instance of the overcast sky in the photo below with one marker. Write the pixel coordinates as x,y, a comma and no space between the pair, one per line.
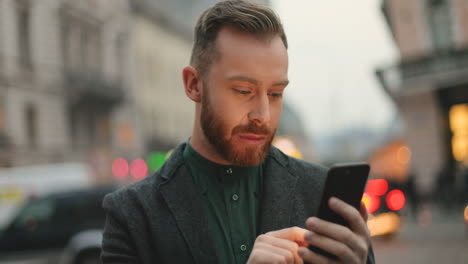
334,47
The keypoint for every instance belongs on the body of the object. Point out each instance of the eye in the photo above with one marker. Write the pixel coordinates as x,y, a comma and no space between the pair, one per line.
275,94
242,91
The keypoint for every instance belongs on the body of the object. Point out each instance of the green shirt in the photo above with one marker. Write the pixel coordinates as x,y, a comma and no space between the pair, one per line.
231,203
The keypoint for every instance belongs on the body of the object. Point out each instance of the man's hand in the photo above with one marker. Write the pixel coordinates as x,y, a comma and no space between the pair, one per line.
350,245
279,246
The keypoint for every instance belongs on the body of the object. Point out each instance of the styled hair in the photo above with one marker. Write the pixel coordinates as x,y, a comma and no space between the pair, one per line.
242,15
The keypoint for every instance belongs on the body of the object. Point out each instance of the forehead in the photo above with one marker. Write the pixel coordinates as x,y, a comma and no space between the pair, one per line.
250,52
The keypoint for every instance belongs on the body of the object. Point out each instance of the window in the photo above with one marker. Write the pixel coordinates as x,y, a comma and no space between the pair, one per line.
35,213
24,28
440,24
120,52
31,125
81,46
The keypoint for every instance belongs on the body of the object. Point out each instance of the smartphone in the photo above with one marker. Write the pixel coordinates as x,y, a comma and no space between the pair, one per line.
345,181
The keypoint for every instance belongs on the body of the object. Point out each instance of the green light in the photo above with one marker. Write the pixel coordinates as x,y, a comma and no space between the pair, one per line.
155,160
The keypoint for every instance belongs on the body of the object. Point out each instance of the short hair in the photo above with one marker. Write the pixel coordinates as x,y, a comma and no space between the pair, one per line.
242,15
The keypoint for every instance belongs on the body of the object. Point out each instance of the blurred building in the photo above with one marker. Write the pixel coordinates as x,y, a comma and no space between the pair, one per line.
64,82
429,84
291,127
160,48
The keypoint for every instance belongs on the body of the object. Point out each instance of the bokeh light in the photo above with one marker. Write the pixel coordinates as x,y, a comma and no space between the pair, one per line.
395,200
120,168
404,155
466,214
385,223
138,169
155,160
371,202
377,187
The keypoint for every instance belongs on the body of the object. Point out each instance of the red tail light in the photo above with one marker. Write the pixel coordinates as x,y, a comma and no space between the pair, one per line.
395,200
377,187
372,202
120,168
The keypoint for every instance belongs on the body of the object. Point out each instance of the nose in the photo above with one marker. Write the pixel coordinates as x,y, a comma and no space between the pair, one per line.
260,113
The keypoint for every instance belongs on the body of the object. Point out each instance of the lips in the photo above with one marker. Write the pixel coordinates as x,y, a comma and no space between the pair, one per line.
253,138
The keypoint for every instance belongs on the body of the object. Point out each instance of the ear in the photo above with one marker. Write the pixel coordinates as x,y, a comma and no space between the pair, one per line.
192,83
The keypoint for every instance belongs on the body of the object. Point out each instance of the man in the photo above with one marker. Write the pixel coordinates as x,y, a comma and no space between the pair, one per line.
227,196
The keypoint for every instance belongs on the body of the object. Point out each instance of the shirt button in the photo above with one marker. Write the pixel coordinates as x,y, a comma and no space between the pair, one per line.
235,197
229,171
243,247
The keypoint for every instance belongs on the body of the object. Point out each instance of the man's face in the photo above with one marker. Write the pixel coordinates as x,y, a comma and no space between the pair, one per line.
242,96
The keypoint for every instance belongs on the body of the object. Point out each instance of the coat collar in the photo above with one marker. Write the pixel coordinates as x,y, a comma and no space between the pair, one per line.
185,203
277,194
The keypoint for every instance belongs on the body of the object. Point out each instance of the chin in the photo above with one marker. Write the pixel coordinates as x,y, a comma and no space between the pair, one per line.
249,156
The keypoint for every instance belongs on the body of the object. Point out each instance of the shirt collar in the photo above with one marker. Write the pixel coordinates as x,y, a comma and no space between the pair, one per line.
209,173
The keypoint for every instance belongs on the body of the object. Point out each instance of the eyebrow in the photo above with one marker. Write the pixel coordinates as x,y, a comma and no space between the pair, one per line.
254,81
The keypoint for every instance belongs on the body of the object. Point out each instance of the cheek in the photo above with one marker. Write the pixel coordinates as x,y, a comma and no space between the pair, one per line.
275,112
229,115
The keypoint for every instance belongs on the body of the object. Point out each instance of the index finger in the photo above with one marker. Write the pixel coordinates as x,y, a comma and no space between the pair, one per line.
295,234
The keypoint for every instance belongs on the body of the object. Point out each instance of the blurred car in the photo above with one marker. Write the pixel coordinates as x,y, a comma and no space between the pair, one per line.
384,202
83,248
47,226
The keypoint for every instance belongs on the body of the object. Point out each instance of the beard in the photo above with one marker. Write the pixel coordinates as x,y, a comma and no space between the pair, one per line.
216,131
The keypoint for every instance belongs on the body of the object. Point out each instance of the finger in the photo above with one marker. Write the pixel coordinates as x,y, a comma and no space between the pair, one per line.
265,255
311,257
339,233
363,211
290,246
350,214
286,256
342,251
295,234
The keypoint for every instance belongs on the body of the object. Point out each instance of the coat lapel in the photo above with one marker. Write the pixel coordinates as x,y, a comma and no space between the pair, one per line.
188,212
277,194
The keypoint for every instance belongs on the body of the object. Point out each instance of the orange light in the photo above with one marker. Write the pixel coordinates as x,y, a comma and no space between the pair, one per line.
366,200
371,202
377,187
382,224
395,200
138,169
404,155
120,168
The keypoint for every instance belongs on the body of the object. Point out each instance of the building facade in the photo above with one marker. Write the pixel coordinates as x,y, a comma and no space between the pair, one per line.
64,81
429,85
160,49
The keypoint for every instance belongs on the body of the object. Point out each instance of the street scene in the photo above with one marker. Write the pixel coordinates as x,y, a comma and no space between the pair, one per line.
444,239
92,100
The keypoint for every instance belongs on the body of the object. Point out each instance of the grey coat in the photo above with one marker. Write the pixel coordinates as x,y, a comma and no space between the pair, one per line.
161,219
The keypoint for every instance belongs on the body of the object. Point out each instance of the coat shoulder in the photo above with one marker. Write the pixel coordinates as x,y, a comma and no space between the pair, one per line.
141,193
304,170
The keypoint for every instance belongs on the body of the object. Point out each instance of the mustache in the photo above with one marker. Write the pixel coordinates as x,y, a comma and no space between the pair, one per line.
254,129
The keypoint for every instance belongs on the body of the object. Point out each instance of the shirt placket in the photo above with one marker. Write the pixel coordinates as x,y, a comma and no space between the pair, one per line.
233,202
